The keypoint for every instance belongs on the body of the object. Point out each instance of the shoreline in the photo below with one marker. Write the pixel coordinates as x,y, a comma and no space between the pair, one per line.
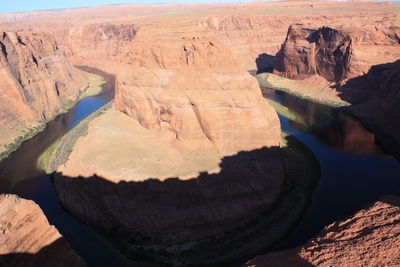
387,142
93,88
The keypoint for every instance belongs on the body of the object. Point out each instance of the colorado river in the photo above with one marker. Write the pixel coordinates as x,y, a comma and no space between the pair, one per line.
19,175
354,171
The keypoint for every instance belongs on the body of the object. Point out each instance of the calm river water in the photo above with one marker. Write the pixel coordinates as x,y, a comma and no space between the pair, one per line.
354,171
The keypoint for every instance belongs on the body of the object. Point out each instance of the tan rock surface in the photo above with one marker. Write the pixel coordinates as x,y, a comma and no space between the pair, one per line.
27,239
188,82
371,237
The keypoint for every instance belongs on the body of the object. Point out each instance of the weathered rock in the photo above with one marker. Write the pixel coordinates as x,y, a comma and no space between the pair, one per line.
335,54
36,82
189,83
27,239
371,237
97,45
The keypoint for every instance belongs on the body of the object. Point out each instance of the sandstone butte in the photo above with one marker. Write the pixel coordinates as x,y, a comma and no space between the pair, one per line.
194,119
252,32
370,237
27,238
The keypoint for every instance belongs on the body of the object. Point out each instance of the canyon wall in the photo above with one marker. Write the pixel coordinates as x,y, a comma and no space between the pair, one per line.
368,238
27,238
96,45
37,82
336,54
360,62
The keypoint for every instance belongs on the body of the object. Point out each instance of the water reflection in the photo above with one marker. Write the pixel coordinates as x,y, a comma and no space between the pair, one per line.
328,125
21,164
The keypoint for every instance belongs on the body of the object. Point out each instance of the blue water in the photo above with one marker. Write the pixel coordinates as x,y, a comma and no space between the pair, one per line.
351,177
19,175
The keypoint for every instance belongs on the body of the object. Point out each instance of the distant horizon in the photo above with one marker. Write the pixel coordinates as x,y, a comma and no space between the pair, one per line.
19,6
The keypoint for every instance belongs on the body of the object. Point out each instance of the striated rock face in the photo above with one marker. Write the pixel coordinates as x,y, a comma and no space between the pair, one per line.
371,237
27,239
97,45
189,83
36,81
306,52
335,54
355,61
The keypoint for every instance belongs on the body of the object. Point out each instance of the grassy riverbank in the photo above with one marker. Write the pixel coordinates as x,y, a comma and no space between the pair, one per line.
59,152
24,134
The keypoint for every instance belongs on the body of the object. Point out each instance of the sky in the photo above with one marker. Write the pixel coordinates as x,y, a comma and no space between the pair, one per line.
28,5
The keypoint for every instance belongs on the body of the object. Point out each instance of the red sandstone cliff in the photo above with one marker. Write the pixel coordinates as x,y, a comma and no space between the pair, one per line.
361,62
27,239
36,82
335,54
96,45
371,237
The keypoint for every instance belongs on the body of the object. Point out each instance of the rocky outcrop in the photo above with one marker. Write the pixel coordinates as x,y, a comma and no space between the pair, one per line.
335,54
189,83
371,237
356,62
37,82
97,45
27,239
382,110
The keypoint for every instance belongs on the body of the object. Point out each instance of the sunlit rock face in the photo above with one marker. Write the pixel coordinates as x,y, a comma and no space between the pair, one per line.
36,81
97,44
369,237
337,54
27,238
187,81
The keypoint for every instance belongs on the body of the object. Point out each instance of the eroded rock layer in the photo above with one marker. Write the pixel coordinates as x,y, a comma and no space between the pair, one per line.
335,54
36,82
97,45
190,83
371,237
27,239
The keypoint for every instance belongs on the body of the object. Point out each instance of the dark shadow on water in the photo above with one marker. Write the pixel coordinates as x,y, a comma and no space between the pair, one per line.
213,220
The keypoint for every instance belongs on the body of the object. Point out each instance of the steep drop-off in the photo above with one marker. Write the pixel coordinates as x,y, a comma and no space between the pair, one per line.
361,64
37,82
27,239
368,238
96,45
335,54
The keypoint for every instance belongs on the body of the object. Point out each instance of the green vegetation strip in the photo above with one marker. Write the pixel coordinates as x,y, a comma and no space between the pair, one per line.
59,151
93,88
